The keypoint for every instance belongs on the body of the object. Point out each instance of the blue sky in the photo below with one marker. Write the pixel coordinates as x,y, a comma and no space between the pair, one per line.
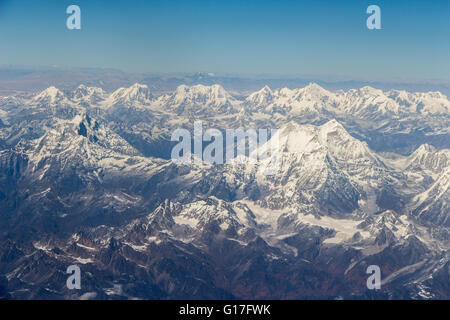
312,38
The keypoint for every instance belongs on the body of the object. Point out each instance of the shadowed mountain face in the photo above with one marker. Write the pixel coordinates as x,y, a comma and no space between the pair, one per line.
86,178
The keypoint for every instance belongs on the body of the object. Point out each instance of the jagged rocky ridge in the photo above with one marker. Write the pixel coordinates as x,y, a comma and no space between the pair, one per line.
85,178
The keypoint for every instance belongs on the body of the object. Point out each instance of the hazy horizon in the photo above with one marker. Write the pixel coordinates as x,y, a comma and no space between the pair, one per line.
318,39
35,78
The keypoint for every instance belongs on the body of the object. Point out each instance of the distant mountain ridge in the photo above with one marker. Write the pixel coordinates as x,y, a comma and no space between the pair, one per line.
366,101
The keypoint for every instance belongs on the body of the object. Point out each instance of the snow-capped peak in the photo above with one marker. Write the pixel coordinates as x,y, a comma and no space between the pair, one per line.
368,102
312,161
50,95
421,102
424,148
83,90
81,138
88,95
426,157
261,97
200,98
298,139
199,92
312,99
315,90
371,91
333,126
136,94
431,103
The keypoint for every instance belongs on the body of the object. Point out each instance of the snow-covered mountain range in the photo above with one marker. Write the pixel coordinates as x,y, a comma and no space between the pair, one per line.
86,178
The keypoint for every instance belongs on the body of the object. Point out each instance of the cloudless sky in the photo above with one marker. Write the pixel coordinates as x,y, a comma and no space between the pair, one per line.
317,37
